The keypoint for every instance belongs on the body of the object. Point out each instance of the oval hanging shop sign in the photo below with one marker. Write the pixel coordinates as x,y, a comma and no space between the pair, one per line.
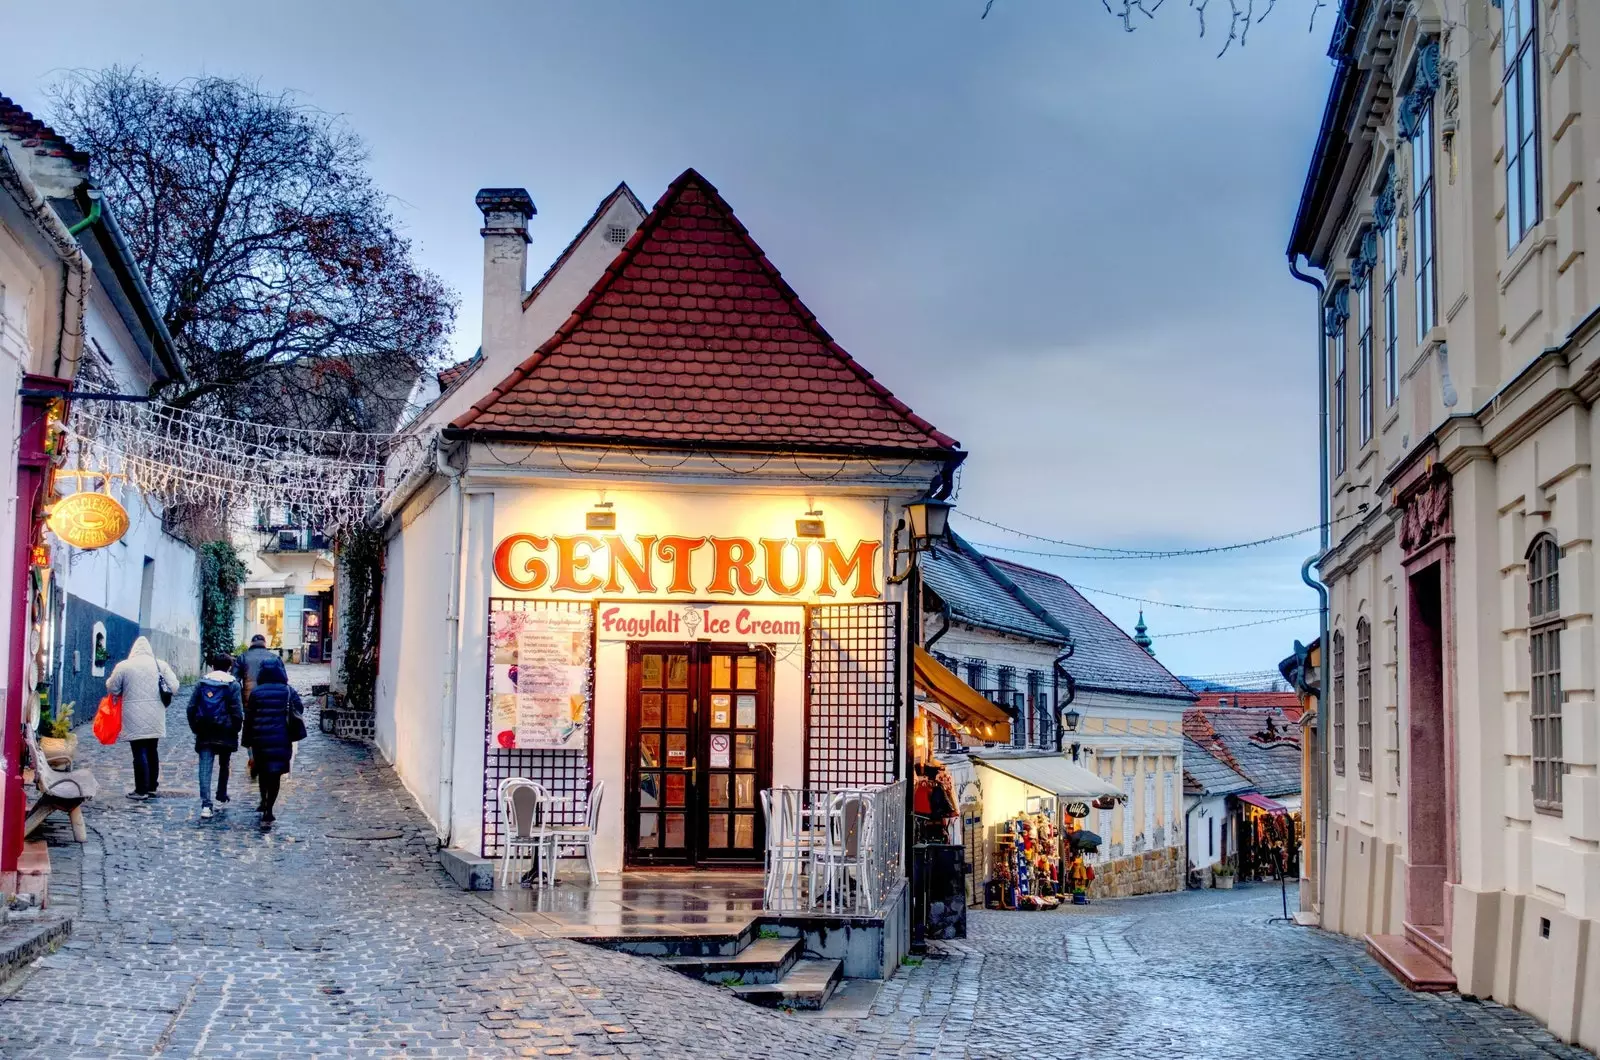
1077,810
88,520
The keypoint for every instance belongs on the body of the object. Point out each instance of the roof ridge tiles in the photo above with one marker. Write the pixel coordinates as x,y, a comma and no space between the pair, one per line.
892,426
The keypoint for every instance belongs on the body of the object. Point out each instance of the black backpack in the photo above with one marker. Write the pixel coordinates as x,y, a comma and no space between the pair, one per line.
213,708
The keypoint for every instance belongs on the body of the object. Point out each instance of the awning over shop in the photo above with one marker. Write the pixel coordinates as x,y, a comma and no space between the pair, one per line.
1261,802
975,715
1052,773
265,587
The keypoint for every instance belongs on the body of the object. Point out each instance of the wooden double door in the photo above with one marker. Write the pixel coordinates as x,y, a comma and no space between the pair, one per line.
699,753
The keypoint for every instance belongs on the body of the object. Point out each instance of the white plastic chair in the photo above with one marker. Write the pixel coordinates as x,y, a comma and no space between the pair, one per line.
557,836
521,813
788,854
840,857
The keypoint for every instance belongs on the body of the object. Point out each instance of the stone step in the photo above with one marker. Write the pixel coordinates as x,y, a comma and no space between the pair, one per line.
1430,940
765,960
809,985
642,942
1414,966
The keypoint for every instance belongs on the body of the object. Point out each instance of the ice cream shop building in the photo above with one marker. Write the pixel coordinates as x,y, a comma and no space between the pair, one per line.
652,546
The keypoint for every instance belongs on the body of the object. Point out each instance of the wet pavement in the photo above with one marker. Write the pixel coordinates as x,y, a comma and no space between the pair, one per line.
208,939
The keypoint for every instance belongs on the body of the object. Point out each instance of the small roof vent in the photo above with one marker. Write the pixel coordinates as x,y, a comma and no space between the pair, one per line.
617,235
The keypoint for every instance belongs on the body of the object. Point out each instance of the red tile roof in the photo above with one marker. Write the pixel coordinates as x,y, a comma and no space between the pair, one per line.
692,337
36,135
1281,700
451,373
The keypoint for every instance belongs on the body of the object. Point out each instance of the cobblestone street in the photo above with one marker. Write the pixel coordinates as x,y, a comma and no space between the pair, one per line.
209,939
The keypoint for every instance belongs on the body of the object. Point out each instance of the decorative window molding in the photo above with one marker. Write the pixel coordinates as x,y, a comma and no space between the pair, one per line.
1364,258
1424,85
1544,651
1339,705
1337,311
1364,699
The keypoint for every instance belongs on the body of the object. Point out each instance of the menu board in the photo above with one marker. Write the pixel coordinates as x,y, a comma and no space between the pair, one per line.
539,679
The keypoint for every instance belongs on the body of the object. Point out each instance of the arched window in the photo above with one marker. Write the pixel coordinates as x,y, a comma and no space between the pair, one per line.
1544,649
1338,703
1364,699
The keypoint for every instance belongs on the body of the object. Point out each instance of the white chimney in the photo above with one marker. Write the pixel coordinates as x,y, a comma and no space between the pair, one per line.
505,263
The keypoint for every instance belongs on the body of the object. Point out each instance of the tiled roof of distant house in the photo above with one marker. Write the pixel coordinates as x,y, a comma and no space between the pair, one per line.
692,337
36,135
995,594
1281,700
1262,745
1206,774
450,376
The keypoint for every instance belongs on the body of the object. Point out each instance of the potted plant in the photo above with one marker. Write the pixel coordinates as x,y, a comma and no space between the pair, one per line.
57,742
1222,876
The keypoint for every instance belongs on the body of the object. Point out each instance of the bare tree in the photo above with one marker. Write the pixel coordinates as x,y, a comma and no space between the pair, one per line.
276,263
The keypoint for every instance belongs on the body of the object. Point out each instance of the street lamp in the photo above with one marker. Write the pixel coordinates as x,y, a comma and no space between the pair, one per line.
926,520
1069,722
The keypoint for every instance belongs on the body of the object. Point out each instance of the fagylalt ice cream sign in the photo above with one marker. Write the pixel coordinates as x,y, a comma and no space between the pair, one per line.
649,565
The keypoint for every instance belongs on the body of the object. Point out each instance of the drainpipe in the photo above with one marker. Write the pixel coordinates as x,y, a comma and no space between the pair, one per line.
452,625
1321,778
90,219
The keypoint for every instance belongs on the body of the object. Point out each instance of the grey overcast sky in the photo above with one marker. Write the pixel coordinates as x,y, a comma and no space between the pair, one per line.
1060,242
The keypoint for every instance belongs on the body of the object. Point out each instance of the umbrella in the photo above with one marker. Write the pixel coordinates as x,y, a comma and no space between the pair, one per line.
1084,840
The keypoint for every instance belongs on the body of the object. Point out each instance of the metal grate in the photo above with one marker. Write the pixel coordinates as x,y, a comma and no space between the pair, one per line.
563,773
853,695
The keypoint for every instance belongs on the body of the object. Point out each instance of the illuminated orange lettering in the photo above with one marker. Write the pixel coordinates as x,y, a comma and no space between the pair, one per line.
679,551
636,567
862,565
732,557
535,568
569,564
773,547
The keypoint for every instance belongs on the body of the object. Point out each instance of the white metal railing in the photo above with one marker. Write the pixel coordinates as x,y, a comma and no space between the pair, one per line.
834,850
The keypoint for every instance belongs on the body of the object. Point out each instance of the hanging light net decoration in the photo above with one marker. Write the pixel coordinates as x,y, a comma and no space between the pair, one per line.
330,480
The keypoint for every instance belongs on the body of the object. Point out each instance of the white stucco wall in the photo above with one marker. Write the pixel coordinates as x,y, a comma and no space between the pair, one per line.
113,577
412,653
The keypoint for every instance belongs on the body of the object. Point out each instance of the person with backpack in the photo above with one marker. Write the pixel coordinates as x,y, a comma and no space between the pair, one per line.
273,721
146,685
216,713
247,667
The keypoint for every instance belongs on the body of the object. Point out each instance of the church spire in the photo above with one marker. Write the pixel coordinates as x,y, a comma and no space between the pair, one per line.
1141,634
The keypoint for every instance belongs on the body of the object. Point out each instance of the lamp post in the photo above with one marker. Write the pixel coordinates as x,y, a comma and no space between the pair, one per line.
928,518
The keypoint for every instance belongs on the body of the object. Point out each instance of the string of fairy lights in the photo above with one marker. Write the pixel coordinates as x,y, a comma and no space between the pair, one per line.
336,479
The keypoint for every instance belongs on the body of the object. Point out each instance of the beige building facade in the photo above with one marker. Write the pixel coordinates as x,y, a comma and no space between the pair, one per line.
1450,209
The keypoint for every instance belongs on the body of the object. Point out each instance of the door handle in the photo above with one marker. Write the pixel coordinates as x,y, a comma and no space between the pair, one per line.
694,765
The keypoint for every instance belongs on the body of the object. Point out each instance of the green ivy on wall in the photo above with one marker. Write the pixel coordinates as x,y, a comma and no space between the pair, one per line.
222,572
361,554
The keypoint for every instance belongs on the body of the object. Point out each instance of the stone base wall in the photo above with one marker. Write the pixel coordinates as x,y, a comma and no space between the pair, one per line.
1153,872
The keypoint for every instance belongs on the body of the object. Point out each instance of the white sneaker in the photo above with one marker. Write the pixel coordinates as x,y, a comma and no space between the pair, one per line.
205,813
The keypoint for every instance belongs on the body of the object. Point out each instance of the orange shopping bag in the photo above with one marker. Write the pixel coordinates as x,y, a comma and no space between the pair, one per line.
108,720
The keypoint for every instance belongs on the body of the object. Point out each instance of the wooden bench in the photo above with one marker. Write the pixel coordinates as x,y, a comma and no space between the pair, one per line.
65,791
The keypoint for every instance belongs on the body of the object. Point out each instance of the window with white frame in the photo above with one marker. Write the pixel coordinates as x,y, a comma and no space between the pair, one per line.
1422,229
1338,702
1364,370
1520,99
1340,412
1364,699
1544,649
1391,316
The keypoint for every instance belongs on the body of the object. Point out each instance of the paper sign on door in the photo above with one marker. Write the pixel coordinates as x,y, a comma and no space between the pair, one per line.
719,752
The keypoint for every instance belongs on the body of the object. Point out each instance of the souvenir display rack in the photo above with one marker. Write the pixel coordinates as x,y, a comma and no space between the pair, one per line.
1027,864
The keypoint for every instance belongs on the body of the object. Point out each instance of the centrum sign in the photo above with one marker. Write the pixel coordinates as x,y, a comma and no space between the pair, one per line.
647,564
678,622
